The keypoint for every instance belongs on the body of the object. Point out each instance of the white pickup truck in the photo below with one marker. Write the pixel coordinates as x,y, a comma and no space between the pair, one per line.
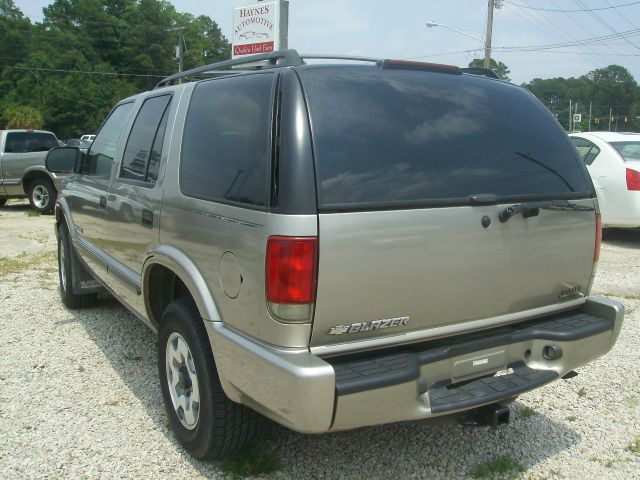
22,170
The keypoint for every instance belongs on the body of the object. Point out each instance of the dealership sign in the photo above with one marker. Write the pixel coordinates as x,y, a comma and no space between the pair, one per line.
260,28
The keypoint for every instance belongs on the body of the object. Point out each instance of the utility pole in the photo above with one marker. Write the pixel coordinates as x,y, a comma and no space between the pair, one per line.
570,118
590,105
179,51
610,113
487,43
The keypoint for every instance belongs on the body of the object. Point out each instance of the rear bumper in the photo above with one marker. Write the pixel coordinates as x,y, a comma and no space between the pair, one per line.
309,394
621,210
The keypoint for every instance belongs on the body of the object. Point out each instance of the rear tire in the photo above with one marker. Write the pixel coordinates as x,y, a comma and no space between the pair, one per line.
205,422
42,195
65,273
3,201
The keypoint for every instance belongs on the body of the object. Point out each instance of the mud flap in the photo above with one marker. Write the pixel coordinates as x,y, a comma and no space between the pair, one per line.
82,281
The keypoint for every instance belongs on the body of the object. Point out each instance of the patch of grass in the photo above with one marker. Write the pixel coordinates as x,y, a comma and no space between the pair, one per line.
609,464
572,418
249,462
33,213
25,261
42,239
527,412
582,392
632,401
500,467
635,445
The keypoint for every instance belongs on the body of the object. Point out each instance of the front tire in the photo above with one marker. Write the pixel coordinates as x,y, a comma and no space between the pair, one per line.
65,273
42,195
205,422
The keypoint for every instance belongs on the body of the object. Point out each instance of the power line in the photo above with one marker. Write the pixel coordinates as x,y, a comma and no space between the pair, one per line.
535,16
603,22
571,11
88,72
164,73
579,24
586,41
533,50
444,54
622,16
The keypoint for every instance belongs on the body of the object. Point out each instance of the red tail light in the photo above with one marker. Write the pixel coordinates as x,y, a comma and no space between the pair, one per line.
596,250
633,179
291,277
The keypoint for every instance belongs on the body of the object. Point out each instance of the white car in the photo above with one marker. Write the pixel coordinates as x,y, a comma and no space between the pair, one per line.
613,161
88,137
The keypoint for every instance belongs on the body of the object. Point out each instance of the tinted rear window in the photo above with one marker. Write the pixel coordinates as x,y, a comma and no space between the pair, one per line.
630,151
24,142
405,136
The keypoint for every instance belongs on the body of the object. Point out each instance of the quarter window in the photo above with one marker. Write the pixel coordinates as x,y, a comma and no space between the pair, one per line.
144,146
587,150
226,140
99,160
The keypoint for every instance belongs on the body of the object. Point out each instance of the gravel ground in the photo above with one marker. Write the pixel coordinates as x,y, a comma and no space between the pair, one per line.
79,395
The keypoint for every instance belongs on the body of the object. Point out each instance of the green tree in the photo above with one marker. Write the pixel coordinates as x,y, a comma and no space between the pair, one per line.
87,54
497,67
610,89
22,116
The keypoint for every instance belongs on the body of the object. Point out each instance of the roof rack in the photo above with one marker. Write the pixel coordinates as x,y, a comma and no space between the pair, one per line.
485,72
284,58
291,58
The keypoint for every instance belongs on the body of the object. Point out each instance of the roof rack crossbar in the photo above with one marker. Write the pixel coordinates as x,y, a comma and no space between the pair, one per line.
284,58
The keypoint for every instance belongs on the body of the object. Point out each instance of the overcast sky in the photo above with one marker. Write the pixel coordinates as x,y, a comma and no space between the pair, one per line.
396,29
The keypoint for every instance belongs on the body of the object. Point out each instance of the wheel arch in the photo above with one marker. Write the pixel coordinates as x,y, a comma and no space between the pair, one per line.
33,173
168,274
62,213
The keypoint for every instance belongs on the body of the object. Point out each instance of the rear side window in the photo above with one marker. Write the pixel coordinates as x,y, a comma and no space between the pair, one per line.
226,141
27,142
142,154
587,150
411,137
100,156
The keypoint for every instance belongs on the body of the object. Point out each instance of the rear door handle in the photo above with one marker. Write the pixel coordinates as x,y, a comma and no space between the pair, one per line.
147,218
103,202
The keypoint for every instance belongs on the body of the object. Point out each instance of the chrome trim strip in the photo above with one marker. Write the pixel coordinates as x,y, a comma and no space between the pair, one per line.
130,280
439,332
213,215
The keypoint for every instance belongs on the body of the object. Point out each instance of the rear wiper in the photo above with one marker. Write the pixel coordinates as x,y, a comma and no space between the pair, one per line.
531,209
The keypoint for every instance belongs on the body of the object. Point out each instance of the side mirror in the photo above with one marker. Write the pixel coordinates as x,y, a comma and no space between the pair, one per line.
62,159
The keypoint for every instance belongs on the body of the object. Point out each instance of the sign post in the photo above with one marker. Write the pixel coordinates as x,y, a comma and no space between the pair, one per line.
260,28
